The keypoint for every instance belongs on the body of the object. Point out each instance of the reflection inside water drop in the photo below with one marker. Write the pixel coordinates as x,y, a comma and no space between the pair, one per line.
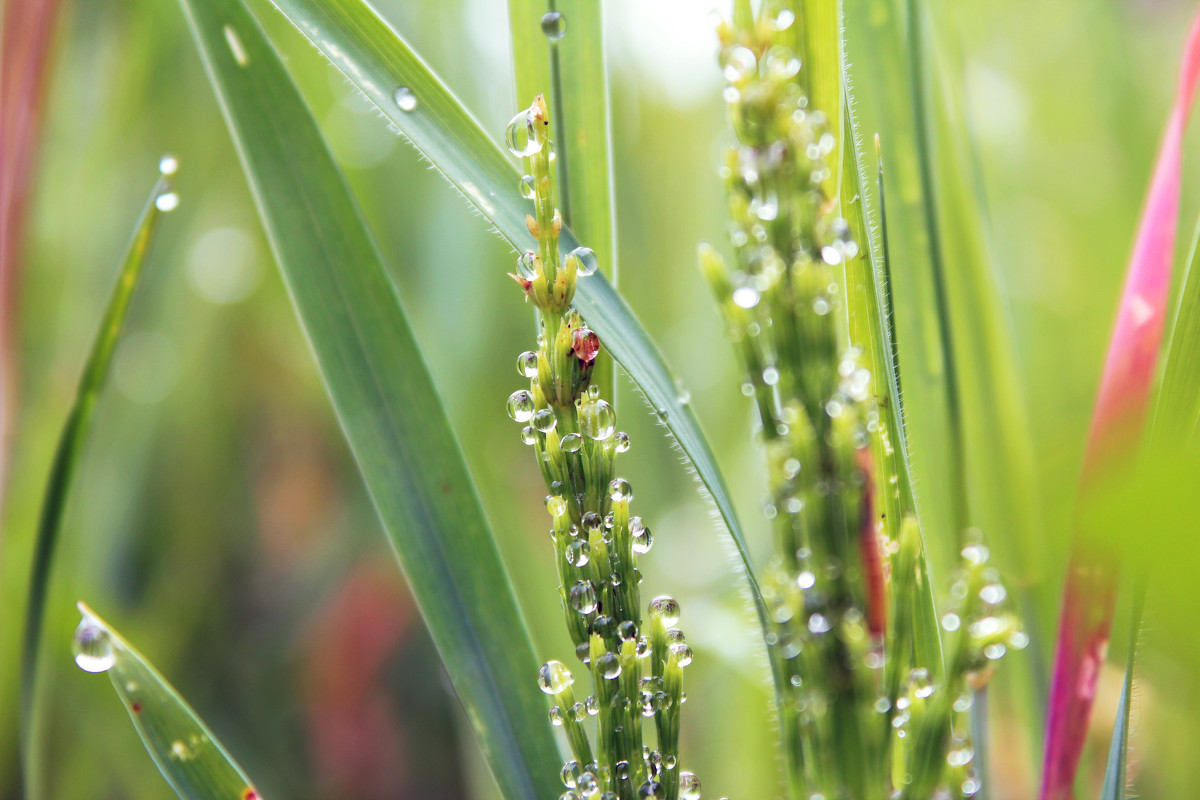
554,25
405,99
92,647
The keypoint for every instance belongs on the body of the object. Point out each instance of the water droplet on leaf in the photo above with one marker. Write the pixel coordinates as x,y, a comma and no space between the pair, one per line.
405,99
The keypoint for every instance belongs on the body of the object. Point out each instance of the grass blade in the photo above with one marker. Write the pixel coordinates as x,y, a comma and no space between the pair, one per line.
1118,753
384,398
1089,596
378,61
1178,409
183,748
66,462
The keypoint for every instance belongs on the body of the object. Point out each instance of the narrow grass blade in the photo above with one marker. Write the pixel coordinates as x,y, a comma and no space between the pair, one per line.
183,748
1115,781
378,61
1090,592
558,51
384,397
67,457
1178,411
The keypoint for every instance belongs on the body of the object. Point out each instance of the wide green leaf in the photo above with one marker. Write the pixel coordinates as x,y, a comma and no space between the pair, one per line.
70,449
183,748
384,397
380,63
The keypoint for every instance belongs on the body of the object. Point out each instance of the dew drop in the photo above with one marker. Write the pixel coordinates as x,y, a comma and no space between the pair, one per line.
583,597
588,263
168,164
404,98
598,420
609,666
642,541
619,489
528,190
571,443
527,364
521,135
520,406
528,435
745,297
545,420
556,505
167,201
554,25
689,786
682,654
554,678
666,608
92,646
627,630
527,265
739,64
818,623
622,440
578,553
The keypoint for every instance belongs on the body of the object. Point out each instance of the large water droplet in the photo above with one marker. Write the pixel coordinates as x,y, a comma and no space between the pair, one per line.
578,553
521,135
556,505
619,489
745,297
609,666
528,187
527,265
598,420
622,440
520,406
92,646
583,597
405,99
689,786
527,364
554,25
545,420
666,608
588,263
642,541
554,678
571,443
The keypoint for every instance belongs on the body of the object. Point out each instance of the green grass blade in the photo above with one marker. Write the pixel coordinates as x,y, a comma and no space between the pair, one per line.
570,71
67,457
384,398
1115,781
362,45
1179,395
185,751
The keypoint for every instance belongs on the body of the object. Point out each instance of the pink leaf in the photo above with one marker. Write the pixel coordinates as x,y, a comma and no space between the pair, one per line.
1129,369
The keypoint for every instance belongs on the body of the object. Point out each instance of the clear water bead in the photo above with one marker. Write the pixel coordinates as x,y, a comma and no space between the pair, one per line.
598,420
666,608
642,541
168,164
571,443
588,263
521,135
527,364
619,489
92,647
609,666
745,297
520,406
545,420
527,265
578,553
622,440
556,505
404,98
528,189
167,201
583,597
689,786
554,678
554,25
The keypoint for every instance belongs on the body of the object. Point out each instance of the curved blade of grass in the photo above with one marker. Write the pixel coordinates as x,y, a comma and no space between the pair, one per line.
185,751
384,398
1089,596
1115,784
571,71
67,457
361,45
1178,410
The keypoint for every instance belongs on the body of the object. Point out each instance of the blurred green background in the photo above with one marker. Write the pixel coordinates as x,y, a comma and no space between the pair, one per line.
220,522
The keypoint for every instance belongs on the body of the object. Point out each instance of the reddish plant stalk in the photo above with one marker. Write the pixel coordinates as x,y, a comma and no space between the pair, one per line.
1091,585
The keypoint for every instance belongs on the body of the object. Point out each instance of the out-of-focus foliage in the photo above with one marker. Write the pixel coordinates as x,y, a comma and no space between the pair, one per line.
219,514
